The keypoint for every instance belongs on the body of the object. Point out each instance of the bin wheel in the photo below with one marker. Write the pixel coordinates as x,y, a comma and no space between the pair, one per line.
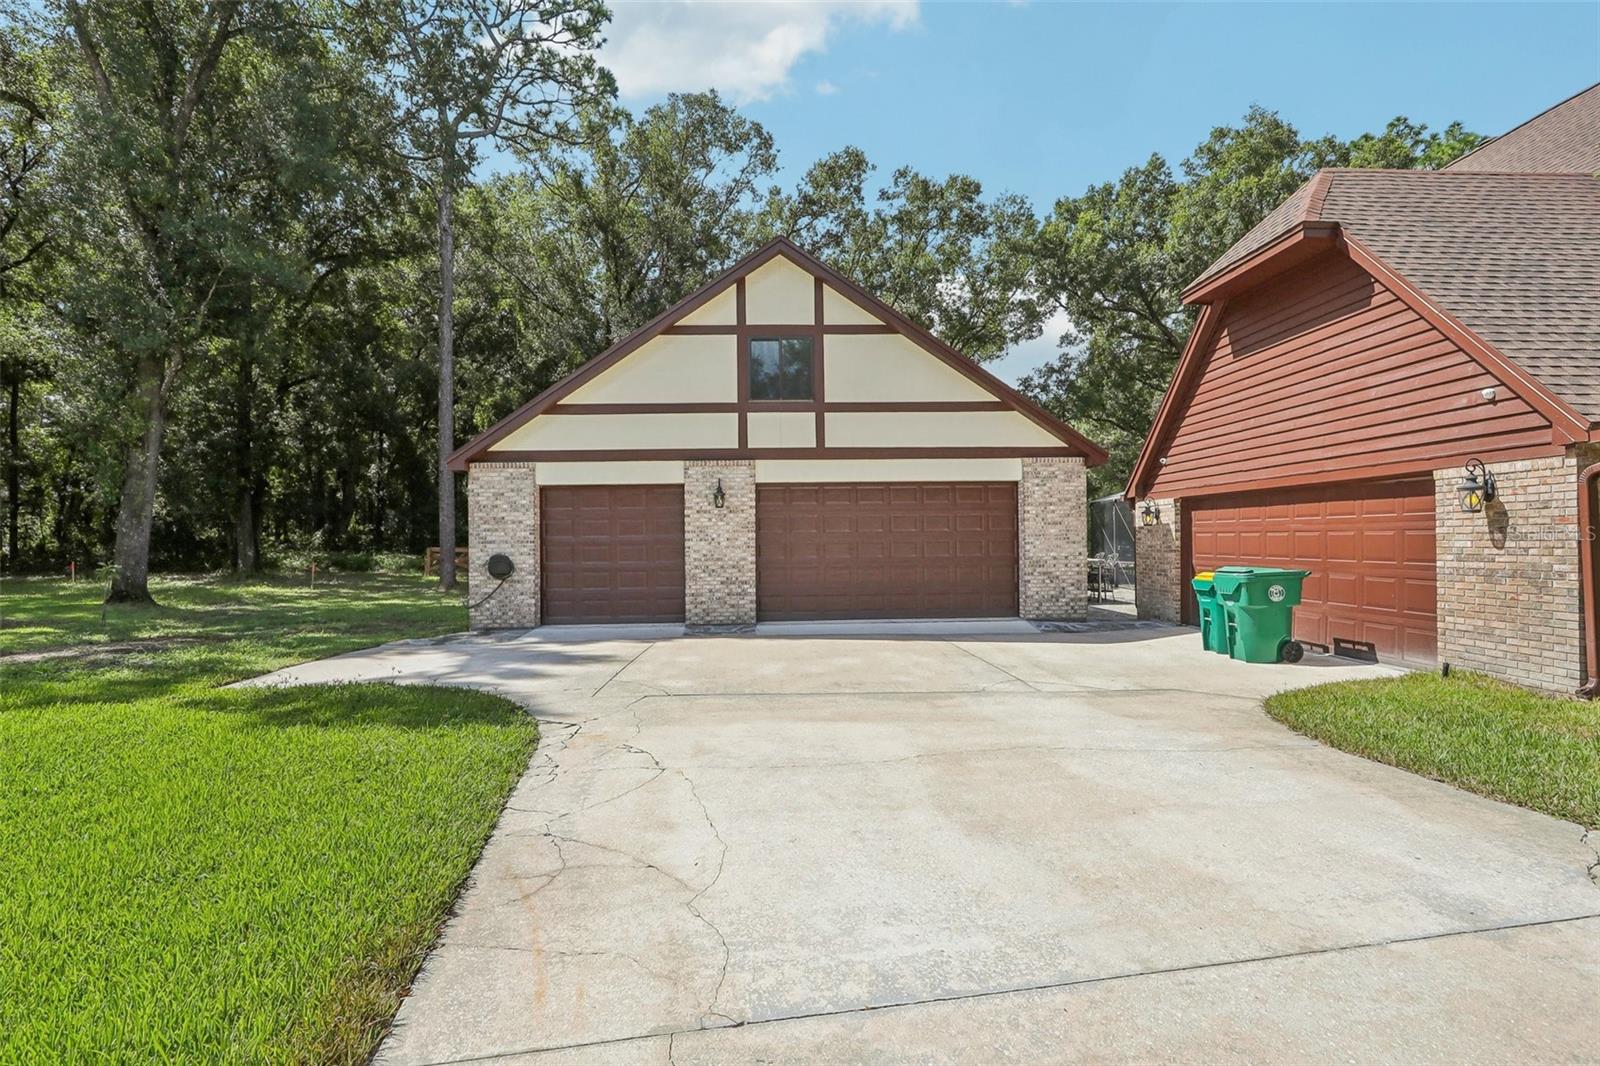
1292,651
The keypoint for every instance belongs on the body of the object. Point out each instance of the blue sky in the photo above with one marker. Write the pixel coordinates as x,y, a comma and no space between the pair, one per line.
1047,98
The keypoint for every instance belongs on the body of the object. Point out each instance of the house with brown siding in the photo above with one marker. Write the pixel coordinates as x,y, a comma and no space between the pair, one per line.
1353,353
779,445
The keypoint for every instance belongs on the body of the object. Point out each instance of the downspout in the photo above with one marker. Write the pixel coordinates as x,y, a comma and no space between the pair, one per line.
1586,551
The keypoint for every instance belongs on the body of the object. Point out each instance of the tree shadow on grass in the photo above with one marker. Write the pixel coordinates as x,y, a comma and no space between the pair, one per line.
363,705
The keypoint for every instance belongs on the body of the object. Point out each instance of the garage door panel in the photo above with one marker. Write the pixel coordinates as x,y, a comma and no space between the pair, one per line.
1370,549
1382,592
1420,547
898,550
611,553
1342,545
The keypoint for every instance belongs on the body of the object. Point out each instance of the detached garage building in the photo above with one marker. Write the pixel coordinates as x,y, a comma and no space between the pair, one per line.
1354,351
780,445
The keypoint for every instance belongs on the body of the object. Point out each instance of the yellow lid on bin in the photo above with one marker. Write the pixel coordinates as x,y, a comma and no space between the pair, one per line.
1205,575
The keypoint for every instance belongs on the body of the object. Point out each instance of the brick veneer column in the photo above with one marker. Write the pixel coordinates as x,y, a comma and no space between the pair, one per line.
719,544
1159,581
1053,539
503,518
1509,591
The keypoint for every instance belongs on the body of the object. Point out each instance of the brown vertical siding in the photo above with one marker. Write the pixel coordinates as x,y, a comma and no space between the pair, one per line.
1325,374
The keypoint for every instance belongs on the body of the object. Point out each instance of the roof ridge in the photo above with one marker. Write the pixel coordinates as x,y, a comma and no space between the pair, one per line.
1316,194
1420,172
1527,122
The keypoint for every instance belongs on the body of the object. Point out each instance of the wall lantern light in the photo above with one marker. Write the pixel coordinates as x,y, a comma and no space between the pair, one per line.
1150,514
719,498
1477,487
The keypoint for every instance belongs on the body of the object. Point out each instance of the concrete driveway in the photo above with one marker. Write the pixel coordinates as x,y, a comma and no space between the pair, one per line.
943,844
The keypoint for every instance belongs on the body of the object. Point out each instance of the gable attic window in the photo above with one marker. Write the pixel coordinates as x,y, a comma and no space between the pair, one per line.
780,368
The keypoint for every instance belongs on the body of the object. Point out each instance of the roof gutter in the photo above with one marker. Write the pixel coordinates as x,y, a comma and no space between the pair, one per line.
1591,622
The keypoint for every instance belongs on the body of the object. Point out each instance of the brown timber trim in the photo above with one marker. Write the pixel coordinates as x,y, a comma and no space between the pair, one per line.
1409,468
621,455
734,277
1588,580
725,330
1188,367
642,408
869,406
742,358
818,387
1305,241
918,405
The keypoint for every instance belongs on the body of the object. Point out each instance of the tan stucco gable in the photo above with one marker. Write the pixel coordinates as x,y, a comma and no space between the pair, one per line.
678,387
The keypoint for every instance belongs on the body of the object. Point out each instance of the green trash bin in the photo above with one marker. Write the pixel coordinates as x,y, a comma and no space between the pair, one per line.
1259,602
1213,618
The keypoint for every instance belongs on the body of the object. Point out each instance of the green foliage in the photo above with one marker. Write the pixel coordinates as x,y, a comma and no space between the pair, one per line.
1495,739
228,875
1116,258
560,262
938,251
263,279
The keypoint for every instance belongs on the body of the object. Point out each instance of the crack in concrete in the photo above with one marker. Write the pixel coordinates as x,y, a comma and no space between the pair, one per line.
620,669
1252,702
1048,986
993,666
552,769
694,908
1594,867
1108,749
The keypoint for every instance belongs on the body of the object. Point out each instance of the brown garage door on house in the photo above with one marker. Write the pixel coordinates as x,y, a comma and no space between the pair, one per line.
1370,550
611,553
907,550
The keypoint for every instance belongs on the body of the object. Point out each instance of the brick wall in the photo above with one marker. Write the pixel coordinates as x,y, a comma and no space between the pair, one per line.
503,518
1509,595
1053,538
1159,581
719,544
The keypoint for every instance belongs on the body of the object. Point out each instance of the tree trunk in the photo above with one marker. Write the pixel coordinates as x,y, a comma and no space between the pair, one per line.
136,513
13,464
447,416
246,543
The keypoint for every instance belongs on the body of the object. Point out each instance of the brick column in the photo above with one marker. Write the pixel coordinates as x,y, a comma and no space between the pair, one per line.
1510,601
719,543
1053,539
1159,581
503,518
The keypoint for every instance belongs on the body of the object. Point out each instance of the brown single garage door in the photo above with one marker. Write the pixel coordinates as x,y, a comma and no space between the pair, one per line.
1370,550
908,550
612,553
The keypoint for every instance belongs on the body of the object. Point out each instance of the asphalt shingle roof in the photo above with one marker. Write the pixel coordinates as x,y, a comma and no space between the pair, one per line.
1514,257
1564,139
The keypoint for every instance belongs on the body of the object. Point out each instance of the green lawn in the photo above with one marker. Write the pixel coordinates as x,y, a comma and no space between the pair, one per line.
1483,735
201,874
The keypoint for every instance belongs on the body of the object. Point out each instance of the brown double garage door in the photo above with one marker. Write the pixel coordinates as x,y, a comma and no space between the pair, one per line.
615,553
1370,549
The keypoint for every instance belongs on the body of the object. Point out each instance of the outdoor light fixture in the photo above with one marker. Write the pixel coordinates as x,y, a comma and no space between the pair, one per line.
1149,515
718,497
1477,487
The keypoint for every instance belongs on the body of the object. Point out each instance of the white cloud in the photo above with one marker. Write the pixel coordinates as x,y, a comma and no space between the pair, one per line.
745,50
826,88
1023,359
